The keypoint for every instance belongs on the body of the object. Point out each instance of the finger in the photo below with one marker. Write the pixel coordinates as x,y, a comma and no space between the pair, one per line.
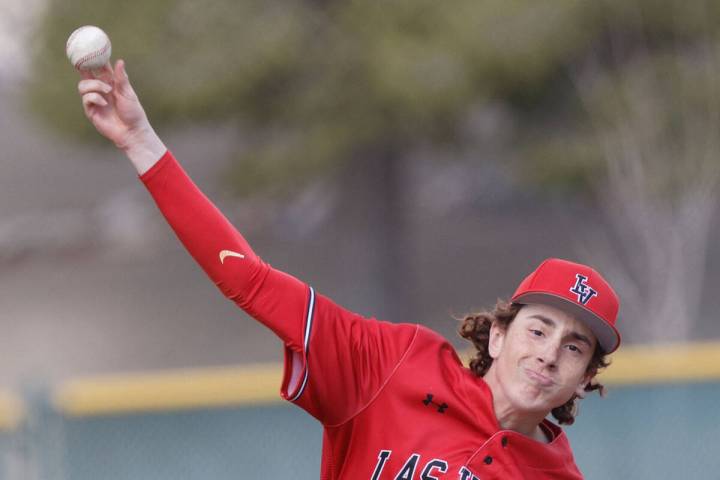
86,74
104,73
93,99
93,85
120,68
121,76
107,69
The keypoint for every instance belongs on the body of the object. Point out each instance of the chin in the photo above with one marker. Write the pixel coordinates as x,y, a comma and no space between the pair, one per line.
539,400
531,403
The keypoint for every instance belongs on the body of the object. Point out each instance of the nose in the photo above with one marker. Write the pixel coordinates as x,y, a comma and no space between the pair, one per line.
548,354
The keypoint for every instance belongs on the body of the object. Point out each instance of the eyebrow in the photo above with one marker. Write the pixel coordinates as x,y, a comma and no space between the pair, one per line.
551,323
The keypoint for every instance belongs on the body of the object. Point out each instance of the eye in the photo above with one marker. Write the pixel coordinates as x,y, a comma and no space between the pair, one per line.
574,348
537,333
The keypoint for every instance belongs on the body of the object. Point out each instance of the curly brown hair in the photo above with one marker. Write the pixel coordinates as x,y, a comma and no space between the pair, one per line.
476,328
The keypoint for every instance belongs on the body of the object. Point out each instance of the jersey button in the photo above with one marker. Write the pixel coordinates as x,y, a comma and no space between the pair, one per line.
488,460
504,441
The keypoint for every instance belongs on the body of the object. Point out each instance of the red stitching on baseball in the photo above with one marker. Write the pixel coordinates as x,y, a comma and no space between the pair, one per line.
92,55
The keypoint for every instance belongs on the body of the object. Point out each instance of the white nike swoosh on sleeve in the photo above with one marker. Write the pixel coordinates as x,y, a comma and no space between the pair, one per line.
229,253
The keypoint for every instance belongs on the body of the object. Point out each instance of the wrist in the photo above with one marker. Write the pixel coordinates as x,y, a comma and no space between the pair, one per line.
144,148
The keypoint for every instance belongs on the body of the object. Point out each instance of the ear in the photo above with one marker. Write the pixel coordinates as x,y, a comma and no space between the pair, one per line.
496,341
580,390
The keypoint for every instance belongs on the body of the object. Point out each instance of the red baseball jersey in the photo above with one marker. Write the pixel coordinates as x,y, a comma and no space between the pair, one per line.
395,401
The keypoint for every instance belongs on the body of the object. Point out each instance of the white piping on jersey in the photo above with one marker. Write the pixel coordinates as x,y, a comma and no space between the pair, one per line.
306,343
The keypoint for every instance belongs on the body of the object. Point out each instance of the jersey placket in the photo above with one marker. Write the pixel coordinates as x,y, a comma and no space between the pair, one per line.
491,460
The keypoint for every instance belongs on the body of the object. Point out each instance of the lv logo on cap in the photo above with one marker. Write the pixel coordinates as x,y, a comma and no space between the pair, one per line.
583,291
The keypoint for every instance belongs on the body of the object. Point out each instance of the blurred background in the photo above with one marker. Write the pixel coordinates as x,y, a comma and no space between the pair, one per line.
413,160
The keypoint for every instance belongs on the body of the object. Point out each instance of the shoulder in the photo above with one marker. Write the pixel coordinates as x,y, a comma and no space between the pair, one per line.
430,348
428,338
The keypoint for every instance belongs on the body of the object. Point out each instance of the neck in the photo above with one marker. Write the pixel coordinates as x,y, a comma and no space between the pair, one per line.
511,418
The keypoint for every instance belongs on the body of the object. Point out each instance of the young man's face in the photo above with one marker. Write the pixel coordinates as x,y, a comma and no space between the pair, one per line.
542,358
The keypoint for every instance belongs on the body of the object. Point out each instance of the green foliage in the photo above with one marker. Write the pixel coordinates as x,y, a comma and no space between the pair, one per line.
313,83
561,164
187,59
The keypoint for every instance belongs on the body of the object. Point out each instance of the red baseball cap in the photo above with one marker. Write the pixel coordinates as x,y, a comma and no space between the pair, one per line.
578,290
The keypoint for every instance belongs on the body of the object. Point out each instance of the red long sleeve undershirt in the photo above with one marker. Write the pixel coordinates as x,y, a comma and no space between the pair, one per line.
271,296
351,356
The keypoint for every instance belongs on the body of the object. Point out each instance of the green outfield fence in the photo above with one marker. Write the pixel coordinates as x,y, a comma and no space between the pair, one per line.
658,421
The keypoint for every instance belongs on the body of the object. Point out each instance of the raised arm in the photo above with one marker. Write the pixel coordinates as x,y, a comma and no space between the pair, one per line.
352,356
276,299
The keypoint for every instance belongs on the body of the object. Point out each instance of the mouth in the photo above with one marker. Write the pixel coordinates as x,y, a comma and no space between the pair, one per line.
538,378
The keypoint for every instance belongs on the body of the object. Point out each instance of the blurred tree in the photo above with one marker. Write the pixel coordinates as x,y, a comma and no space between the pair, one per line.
656,117
316,81
319,85
351,86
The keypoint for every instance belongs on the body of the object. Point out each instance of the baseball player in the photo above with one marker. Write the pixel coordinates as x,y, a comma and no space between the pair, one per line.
395,401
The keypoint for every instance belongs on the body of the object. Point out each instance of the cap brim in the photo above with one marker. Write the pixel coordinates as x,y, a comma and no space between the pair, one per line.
607,336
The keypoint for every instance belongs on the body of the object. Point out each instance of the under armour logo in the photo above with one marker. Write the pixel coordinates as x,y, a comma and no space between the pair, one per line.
441,407
583,291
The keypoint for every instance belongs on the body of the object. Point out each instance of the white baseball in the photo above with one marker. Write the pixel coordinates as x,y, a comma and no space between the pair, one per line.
88,48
